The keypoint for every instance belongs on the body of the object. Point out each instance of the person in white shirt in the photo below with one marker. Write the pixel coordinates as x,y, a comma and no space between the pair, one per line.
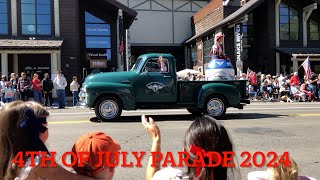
60,83
74,88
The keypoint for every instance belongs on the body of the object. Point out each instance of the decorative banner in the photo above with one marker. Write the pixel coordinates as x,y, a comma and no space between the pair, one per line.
98,63
238,38
238,43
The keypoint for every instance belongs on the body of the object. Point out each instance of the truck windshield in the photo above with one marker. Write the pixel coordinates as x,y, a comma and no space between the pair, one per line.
137,65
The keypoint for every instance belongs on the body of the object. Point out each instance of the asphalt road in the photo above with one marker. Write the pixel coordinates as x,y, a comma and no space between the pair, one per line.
279,127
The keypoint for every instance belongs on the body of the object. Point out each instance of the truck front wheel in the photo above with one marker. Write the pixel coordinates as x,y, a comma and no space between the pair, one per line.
195,111
215,106
108,109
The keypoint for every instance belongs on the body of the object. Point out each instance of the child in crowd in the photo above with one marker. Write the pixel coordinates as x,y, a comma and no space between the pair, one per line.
204,135
24,128
93,143
9,92
279,172
74,88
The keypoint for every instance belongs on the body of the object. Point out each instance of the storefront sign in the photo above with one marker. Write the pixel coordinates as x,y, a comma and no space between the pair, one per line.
238,39
98,29
98,42
103,54
98,63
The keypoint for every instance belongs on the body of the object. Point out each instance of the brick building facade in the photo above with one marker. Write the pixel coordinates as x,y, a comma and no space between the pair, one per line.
275,38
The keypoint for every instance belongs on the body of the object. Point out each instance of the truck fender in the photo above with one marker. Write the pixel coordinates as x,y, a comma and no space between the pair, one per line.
124,92
229,92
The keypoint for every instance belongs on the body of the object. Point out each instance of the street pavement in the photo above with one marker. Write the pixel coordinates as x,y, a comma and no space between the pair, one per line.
266,127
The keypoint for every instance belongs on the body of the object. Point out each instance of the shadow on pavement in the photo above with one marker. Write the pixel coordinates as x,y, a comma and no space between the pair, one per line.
190,117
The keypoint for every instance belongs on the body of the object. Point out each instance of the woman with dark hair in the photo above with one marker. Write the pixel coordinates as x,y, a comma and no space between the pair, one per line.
23,128
205,135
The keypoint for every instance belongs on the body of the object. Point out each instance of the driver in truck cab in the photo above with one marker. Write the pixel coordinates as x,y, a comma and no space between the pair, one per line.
157,66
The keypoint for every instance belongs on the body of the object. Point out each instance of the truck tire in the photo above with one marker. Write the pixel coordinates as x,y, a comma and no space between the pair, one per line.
195,111
215,106
108,109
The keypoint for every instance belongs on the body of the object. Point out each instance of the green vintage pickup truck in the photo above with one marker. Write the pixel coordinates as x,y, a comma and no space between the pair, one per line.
147,86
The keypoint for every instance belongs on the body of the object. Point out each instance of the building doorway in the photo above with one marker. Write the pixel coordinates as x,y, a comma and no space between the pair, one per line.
34,63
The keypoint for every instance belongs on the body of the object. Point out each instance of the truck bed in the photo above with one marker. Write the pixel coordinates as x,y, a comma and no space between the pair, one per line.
188,90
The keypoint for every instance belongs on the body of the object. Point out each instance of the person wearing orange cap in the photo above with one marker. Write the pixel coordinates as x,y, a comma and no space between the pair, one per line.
93,144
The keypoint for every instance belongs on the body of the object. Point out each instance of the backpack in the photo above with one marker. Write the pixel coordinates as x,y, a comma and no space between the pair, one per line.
50,84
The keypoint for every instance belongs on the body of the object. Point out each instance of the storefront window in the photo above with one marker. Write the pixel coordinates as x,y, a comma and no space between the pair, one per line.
36,17
207,46
3,17
289,23
194,54
98,38
314,30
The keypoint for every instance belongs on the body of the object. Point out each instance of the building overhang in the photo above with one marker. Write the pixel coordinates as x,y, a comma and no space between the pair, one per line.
30,44
111,5
231,19
298,54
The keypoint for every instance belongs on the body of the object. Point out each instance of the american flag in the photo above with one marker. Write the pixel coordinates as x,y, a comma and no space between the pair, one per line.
249,73
307,68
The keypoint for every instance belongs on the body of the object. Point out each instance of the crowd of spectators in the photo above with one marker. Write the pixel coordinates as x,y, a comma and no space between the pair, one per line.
283,88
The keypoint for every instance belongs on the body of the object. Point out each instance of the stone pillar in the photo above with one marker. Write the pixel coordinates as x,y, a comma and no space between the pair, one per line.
56,18
4,64
54,69
278,63
14,19
277,20
295,65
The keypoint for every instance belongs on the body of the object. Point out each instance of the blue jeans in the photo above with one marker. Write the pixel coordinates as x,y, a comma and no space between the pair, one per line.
61,93
75,97
313,88
37,96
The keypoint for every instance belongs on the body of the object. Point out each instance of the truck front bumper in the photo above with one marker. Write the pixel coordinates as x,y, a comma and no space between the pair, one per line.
83,97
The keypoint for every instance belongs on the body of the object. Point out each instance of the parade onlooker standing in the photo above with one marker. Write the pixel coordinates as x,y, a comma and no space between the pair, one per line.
74,88
37,88
24,85
254,81
14,82
9,92
294,80
61,83
47,86
313,84
3,83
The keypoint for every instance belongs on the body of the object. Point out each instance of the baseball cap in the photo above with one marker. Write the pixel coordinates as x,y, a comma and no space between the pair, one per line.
93,143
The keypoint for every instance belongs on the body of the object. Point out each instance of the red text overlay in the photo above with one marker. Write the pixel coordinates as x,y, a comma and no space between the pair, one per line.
212,159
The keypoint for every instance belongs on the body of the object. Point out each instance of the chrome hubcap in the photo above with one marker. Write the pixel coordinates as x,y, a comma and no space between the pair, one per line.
109,109
215,107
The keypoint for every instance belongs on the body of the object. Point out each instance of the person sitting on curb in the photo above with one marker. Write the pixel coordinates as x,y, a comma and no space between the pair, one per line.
304,89
24,128
94,143
204,135
298,94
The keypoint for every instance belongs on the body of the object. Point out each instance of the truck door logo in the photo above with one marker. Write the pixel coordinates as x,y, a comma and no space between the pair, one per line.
155,86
